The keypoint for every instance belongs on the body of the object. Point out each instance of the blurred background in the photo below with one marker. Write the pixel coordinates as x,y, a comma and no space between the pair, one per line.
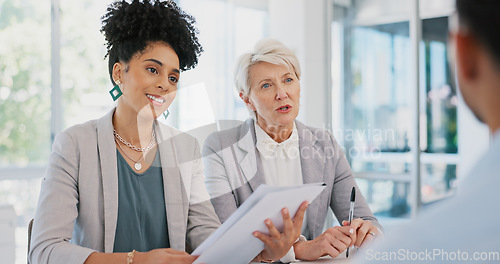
375,72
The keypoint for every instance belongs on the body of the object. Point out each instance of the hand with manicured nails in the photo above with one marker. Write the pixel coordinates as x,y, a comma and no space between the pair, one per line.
278,244
331,243
364,232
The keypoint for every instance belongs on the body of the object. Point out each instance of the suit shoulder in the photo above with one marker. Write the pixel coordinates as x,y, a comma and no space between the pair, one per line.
80,132
227,137
318,131
320,134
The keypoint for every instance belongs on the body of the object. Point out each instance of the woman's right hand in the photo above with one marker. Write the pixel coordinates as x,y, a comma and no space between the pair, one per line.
277,244
332,242
163,255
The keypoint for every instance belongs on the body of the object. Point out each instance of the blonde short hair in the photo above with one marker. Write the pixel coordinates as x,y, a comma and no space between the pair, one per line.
266,50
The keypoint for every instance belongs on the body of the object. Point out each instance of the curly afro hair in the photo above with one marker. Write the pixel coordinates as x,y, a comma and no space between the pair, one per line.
130,27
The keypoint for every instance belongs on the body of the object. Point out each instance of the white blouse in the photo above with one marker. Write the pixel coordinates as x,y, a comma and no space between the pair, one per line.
280,161
281,165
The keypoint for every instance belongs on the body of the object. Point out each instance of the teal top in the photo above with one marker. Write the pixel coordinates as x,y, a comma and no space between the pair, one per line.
142,217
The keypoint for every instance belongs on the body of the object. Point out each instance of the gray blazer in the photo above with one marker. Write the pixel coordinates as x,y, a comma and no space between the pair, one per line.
78,205
233,170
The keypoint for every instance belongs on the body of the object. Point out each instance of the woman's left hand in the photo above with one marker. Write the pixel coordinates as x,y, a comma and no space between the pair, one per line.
278,244
364,231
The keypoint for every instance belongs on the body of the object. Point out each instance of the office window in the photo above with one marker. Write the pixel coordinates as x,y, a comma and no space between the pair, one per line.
380,96
24,82
439,110
373,91
386,198
378,113
84,72
25,92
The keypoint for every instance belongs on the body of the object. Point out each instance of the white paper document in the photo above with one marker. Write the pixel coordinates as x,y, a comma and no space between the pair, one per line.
233,241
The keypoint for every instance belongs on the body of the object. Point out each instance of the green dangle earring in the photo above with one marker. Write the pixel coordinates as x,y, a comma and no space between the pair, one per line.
116,92
166,114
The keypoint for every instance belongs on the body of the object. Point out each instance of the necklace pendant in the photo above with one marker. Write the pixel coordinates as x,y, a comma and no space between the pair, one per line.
138,166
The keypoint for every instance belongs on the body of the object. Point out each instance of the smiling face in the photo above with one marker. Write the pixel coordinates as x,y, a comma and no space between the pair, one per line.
148,81
274,95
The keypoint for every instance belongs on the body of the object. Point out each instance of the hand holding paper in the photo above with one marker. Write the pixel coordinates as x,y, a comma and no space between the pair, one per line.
234,242
276,243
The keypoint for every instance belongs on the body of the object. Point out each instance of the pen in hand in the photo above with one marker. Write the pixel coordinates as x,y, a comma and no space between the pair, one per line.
351,213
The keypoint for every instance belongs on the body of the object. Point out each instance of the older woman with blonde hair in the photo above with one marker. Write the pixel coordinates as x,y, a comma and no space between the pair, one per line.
274,148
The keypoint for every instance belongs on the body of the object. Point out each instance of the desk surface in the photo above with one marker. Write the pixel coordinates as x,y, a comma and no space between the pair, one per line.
341,259
328,260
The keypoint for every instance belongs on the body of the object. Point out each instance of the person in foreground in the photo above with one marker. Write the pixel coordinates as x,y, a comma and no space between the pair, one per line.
124,182
274,148
463,228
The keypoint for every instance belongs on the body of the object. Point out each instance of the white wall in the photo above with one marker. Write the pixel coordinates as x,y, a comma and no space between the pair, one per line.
301,25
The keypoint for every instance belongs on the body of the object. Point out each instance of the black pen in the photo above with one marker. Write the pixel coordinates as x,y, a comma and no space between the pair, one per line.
351,213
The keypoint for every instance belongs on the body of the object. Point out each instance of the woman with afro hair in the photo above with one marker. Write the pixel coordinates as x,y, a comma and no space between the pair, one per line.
125,188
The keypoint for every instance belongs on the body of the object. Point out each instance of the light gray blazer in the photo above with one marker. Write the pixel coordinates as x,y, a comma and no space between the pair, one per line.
233,170
78,205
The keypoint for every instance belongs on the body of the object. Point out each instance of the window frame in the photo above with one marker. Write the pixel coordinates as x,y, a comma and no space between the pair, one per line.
417,11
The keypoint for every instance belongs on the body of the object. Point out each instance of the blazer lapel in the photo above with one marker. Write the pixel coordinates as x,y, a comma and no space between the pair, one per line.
107,158
248,156
313,164
173,189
